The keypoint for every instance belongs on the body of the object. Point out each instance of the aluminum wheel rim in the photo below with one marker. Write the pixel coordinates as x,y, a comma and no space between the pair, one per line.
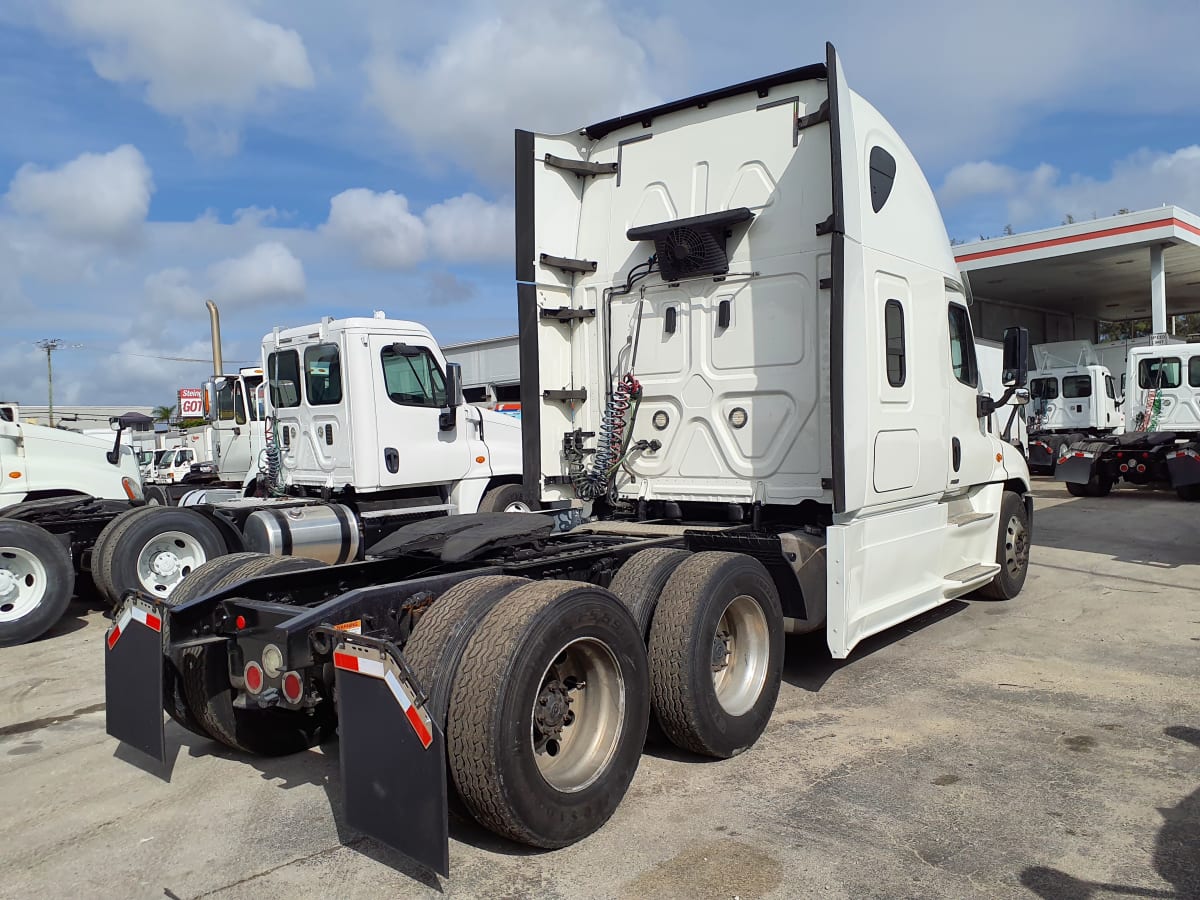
1062,450
23,583
1016,546
584,684
167,559
518,506
741,653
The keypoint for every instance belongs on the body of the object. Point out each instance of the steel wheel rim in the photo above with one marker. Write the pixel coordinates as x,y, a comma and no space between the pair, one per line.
740,656
590,715
1016,546
23,583
166,559
519,506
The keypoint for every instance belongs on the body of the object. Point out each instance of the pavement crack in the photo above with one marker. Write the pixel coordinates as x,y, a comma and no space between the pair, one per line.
39,724
325,851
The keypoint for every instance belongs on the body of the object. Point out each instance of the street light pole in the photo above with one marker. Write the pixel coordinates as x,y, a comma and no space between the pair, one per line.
50,345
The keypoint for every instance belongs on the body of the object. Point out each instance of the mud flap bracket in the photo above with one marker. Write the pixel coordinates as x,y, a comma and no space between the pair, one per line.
133,677
393,755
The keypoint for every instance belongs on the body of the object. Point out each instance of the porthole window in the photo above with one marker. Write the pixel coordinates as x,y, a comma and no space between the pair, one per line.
883,176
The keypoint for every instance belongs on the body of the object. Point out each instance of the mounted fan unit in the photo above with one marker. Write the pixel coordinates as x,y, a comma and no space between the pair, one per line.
692,246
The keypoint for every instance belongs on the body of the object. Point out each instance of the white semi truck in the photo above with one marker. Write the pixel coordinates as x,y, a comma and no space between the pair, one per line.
1161,444
58,489
751,395
1072,397
363,432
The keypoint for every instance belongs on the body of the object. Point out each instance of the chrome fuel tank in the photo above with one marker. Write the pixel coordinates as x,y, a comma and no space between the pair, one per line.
328,532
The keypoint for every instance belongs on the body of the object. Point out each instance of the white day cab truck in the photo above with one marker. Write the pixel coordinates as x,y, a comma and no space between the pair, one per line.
58,489
1161,445
1072,397
366,431
751,397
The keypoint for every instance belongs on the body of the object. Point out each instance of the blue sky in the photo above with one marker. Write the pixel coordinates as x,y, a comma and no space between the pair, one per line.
299,160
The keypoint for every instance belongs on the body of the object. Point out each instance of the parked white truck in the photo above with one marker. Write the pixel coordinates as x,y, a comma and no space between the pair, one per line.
57,491
1072,397
747,375
1161,444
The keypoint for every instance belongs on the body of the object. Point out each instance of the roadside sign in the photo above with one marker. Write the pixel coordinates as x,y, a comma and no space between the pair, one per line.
191,403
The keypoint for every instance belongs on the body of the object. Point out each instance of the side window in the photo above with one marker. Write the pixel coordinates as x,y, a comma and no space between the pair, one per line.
883,176
283,375
1160,372
411,376
1109,390
254,396
962,347
893,327
1194,371
1044,388
1077,386
323,375
225,402
239,403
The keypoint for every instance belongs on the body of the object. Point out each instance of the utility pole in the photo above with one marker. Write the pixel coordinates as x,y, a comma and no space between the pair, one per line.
50,345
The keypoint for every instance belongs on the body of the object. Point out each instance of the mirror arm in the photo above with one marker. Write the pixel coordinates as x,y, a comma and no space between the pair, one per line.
114,455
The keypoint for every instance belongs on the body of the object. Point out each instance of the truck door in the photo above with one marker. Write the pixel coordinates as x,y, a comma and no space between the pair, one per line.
410,395
1109,419
235,457
971,452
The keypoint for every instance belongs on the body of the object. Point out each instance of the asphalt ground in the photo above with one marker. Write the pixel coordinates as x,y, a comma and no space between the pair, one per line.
1044,747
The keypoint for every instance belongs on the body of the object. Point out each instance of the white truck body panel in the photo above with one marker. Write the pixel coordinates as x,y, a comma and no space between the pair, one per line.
794,335
1163,392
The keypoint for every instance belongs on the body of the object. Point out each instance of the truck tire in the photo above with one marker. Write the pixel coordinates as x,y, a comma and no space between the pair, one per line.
1097,486
1012,550
37,580
640,582
437,643
505,498
1188,492
209,695
156,495
153,549
1064,445
548,713
716,604
198,583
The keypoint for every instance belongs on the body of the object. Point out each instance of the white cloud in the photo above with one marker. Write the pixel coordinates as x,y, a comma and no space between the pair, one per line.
380,227
1042,196
207,62
386,234
267,273
96,197
470,229
533,64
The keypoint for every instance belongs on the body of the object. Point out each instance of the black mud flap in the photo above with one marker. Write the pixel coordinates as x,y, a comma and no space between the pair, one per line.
1183,465
393,754
1041,454
1077,466
133,678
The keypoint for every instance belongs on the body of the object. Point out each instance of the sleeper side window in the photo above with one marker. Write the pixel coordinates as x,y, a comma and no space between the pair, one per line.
1160,372
1044,388
323,375
893,327
882,176
962,347
1077,386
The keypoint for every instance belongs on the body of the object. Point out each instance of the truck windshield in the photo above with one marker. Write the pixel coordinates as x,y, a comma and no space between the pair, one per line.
411,376
283,376
1160,372
1076,386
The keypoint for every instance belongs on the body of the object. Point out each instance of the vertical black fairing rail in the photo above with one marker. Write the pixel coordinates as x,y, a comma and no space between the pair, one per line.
837,297
527,321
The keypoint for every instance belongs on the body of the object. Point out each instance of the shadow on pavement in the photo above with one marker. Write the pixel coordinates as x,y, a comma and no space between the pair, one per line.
1176,856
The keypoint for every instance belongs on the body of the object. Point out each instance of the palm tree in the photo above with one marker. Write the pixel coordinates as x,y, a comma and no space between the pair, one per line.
162,413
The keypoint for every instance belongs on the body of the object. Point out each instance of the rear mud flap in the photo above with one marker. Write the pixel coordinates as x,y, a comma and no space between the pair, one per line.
1184,466
1075,468
393,755
1041,455
133,678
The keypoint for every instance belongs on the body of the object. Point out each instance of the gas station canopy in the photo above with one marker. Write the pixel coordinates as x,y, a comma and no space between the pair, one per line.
1133,266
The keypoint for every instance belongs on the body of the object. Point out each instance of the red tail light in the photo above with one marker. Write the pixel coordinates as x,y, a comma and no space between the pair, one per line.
1124,467
240,622
1120,455
1141,468
254,677
293,687
1145,456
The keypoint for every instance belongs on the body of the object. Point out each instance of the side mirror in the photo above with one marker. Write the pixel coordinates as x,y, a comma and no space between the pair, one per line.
114,423
211,388
1020,396
1016,356
448,420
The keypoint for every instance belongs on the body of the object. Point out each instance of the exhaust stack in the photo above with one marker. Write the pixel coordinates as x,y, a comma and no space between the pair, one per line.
215,319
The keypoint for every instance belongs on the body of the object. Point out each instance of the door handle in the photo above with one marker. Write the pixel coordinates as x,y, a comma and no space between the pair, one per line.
956,453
